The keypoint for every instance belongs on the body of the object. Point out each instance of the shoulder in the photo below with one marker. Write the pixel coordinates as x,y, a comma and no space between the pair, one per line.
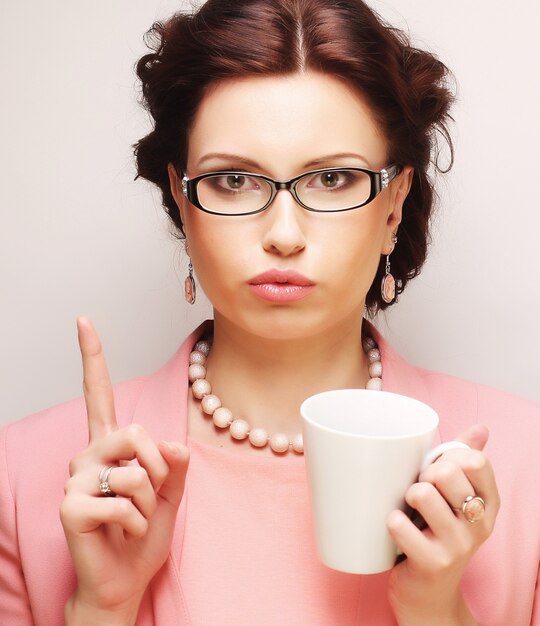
513,422
489,404
458,402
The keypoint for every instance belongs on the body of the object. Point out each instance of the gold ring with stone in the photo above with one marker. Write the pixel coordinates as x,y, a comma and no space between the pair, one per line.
473,509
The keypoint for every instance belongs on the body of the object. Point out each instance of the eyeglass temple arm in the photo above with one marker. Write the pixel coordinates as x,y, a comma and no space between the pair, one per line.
388,174
185,181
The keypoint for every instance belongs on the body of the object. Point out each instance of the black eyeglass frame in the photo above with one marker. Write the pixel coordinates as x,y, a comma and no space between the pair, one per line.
379,181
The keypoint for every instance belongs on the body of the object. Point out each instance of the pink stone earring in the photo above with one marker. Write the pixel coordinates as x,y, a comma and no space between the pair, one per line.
190,291
388,284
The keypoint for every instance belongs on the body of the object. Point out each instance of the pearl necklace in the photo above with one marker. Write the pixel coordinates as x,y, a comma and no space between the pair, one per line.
239,428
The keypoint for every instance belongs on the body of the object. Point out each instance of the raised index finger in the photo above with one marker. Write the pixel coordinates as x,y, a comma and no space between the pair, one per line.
98,393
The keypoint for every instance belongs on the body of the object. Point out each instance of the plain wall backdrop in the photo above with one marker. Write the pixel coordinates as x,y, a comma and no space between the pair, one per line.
78,235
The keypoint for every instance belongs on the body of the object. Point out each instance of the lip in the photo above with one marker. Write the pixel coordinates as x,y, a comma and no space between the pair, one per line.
277,285
277,276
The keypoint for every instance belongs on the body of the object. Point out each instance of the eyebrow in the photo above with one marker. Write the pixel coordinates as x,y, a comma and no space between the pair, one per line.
339,155
250,163
227,157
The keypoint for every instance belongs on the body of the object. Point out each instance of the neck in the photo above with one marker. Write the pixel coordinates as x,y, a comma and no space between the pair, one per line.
264,381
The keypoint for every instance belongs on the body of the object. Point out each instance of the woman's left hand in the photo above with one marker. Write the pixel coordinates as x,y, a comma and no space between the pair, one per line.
425,587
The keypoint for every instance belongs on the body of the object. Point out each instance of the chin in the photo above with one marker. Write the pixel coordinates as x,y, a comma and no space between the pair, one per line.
287,324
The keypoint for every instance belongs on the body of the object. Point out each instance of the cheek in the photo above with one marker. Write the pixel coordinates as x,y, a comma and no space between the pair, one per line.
354,268
205,238
216,250
354,243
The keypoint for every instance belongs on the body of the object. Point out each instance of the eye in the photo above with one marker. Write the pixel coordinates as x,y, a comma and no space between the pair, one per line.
330,180
236,181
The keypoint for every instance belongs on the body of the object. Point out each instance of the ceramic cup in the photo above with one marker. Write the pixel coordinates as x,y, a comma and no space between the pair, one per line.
363,450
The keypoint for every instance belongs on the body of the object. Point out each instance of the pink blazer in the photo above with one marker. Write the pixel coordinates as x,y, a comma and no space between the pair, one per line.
36,574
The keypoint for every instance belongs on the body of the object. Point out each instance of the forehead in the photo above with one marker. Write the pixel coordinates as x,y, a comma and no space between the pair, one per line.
284,121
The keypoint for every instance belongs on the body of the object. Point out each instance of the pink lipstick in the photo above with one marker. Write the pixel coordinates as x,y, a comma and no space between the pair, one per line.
277,285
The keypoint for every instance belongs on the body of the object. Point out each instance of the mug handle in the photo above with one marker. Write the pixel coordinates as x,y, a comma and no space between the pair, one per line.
436,452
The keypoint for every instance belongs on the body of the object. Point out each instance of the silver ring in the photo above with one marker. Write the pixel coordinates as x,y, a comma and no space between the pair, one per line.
473,509
104,487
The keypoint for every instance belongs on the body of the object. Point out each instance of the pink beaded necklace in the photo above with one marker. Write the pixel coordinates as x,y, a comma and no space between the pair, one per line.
240,428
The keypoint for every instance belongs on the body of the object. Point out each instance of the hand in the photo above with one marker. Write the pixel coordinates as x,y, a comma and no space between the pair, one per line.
425,587
117,543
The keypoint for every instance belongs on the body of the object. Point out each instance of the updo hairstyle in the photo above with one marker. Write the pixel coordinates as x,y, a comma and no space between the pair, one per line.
406,88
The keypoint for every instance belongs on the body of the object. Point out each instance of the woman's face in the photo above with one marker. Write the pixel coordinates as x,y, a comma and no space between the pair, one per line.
284,126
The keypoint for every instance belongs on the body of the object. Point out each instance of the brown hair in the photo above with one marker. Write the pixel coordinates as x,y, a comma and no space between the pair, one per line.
407,89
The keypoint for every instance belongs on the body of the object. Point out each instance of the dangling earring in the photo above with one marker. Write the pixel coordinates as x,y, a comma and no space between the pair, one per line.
388,284
190,291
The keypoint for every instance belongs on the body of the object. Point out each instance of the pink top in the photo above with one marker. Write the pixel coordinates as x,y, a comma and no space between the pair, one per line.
249,543
243,548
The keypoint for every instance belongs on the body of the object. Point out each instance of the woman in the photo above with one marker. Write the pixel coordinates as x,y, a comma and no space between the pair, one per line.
291,144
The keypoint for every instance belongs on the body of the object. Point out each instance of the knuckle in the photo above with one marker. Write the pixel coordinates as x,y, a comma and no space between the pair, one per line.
135,432
72,467
420,492
122,508
439,563
64,509
443,561
477,461
394,522
140,528
76,463
69,511
139,477
69,486
446,471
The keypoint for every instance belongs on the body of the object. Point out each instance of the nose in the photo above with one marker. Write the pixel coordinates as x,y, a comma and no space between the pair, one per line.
284,235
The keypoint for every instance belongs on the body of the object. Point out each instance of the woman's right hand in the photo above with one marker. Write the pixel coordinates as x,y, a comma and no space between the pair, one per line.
117,543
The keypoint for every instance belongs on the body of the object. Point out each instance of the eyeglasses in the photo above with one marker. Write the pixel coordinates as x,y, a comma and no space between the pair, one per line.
328,190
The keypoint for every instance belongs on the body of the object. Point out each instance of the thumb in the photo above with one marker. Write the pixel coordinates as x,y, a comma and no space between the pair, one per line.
176,456
475,436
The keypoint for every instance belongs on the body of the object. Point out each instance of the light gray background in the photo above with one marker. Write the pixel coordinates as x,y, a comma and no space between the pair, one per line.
77,235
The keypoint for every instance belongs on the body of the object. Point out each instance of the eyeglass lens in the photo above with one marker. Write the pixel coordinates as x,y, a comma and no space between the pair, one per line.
324,191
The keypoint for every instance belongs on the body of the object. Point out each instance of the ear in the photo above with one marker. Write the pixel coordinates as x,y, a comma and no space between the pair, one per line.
176,190
399,189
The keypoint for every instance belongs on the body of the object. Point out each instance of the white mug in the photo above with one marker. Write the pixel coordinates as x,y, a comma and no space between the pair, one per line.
363,450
